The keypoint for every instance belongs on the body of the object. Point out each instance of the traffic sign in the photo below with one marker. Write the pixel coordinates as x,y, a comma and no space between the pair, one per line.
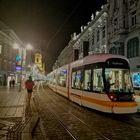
18,57
18,68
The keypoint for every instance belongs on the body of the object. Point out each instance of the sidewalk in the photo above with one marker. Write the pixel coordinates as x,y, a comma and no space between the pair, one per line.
11,109
13,121
11,102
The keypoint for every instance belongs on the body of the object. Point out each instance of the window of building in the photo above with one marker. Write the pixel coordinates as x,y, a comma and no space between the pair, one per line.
133,18
115,4
123,1
87,80
121,50
115,24
113,50
117,50
92,38
98,35
103,32
133,47
124,22
37,60
131,2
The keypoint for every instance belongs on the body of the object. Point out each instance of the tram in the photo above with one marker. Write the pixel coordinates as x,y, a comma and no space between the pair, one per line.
101,82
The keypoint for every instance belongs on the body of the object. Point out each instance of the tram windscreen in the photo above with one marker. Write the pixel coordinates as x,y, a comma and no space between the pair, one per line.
119,80
117,76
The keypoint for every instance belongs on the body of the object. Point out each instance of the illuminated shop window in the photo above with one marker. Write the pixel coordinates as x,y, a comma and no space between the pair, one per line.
136,79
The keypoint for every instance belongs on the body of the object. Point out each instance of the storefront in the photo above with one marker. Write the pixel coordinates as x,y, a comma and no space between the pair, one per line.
3,78
136,82
10,76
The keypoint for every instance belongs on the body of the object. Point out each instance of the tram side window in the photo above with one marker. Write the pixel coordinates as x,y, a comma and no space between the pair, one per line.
62,78
53,79
73,79
58,78
77,80
97,80
87,80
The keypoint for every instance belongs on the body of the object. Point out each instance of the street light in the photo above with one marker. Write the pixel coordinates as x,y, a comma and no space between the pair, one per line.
21,57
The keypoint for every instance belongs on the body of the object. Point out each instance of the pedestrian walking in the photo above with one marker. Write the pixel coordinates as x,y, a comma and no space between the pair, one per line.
29,84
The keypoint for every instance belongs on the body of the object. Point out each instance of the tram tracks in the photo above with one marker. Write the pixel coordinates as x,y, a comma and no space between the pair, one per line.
81,122
52,127
70,123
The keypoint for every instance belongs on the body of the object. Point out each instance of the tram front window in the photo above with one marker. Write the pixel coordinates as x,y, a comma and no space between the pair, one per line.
118,80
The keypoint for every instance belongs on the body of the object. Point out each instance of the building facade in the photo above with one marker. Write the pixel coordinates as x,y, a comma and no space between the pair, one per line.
66,56
13,56
93,37
124,30
91,40
7,54
124,33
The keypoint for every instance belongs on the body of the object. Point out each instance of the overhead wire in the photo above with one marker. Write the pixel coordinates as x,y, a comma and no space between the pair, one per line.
65,21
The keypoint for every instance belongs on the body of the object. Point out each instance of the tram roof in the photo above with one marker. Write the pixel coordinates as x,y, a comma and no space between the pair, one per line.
95,58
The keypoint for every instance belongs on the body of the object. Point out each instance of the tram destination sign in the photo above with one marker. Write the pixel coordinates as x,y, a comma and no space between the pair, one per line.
117,62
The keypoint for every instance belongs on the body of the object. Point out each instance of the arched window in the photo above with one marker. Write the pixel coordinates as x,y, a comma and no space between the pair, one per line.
113,50
117,50
133,47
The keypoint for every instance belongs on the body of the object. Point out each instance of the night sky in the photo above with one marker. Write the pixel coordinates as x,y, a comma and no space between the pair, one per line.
47,24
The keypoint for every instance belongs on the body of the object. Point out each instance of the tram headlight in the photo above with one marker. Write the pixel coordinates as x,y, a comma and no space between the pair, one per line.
112,97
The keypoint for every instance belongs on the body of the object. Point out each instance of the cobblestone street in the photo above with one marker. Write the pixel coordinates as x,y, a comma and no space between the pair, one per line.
53,117
62,119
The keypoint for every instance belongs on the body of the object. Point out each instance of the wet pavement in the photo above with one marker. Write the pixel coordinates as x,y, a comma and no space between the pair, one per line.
11,109
52,116
61,119
15,123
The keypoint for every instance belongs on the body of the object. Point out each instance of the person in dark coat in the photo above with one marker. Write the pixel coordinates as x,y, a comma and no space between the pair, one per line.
13,82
